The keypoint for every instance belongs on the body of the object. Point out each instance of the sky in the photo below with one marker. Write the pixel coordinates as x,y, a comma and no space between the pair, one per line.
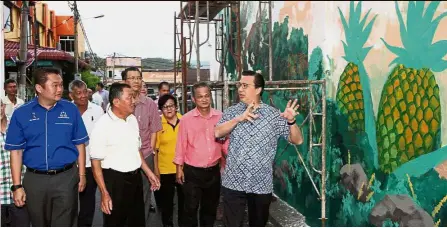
133,28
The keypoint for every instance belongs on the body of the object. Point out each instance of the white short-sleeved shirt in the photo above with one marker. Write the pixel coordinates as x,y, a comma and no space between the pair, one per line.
116,142
90,117
97,99
10,107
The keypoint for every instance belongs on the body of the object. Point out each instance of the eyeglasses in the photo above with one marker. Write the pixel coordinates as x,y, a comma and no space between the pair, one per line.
244,85
166,107
135,79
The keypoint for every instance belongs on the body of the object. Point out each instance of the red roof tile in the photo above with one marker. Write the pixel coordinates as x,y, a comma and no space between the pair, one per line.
44,53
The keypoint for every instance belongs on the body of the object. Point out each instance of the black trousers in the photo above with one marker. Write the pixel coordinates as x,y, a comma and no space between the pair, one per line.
165,199
87,200
201,190
234,203
126,192
13,216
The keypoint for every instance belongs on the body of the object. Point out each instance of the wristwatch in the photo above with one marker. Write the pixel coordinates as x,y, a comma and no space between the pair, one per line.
15,187
292,123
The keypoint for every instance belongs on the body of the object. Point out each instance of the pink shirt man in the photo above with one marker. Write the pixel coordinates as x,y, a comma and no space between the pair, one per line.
196,144
149,121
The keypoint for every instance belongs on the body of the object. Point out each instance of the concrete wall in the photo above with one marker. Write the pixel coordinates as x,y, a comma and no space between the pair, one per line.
399,140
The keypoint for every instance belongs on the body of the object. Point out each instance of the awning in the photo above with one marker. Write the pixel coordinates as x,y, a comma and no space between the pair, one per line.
214,8
43,53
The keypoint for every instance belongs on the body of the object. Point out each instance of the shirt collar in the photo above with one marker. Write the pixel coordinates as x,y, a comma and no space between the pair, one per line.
114,117
195,112
142,99
36,102
164,120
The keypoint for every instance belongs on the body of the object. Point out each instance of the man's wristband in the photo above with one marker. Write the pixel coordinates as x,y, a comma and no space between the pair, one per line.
82,175
290,124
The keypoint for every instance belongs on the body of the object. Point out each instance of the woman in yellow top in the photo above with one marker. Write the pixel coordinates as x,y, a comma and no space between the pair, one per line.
165,169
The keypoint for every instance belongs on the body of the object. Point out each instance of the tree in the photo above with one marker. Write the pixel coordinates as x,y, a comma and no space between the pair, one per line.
89,78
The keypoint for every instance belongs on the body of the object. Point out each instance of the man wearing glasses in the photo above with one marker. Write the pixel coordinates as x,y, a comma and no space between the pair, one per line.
254,129
149,122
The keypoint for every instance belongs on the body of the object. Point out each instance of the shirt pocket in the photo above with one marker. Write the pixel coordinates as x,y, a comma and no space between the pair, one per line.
63,128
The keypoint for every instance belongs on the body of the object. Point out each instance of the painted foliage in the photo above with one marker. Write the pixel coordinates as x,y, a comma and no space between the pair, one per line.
385,67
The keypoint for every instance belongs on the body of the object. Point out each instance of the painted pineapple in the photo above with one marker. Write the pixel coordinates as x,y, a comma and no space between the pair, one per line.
409,114
349,92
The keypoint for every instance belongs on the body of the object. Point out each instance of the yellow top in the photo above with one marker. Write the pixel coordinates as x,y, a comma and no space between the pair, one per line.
166,141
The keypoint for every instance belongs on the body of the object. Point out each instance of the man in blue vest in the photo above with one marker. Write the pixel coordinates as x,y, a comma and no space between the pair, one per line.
48,136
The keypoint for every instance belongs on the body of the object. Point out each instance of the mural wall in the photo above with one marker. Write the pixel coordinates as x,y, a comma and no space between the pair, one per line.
385,65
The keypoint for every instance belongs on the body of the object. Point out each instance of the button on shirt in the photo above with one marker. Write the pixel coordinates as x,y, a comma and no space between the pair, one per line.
48,138
196,144
149,121
252,149
90,117
116,142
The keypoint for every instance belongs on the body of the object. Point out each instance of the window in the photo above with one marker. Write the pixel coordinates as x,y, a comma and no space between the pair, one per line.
67,43
110,73
7,18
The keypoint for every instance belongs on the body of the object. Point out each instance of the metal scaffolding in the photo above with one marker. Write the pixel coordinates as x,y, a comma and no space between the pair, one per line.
205,12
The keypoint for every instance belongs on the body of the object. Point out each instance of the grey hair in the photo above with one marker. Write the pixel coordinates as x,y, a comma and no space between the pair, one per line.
76,83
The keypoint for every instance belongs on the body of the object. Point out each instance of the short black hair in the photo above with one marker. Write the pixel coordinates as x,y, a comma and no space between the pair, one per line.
93,89
259,79
200,85
100,85
116,91
40,75
124,72
9,81
163,84
165,98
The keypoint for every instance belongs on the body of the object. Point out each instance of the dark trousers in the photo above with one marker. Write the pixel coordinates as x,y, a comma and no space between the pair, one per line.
234,203
165,199
52,200
201,190
87,200
126,192
13,216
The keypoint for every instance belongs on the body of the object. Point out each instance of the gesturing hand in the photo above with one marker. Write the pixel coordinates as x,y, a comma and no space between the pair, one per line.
248,115
291,110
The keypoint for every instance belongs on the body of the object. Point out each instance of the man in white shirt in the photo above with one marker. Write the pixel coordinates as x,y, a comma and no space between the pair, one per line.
90,115
104,94
11,100
116,160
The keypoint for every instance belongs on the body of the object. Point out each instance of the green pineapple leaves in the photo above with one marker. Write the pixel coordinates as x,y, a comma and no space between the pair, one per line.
356,33
417,37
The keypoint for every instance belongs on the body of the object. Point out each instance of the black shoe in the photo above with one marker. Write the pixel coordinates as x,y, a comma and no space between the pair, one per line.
152,209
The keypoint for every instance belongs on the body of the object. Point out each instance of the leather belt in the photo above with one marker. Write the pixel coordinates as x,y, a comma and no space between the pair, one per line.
51,172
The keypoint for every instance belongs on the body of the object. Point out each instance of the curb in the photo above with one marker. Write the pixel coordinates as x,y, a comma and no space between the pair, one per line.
283,215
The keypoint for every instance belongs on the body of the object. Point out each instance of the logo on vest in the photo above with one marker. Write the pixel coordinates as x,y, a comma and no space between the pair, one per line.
63,115
33,117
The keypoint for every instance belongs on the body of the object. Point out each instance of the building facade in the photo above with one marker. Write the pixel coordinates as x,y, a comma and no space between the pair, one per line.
46,30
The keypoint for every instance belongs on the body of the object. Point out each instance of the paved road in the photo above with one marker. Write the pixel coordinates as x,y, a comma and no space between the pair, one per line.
155,217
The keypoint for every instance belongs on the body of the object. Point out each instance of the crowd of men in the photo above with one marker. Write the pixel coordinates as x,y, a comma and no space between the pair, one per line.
56,153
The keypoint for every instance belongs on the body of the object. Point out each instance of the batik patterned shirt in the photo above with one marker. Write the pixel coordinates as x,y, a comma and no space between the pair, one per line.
252,149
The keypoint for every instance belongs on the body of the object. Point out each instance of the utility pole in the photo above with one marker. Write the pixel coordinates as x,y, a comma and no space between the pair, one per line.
36,38
23,50
113,67
76,49
197,21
